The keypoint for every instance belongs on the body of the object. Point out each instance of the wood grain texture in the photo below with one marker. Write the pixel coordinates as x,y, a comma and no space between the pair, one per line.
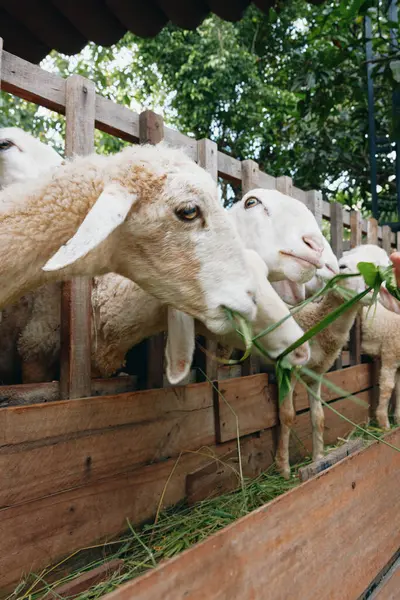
38,533
38,393
84,582
245,403
75,352
151,131
284,184
214,479
372,231
389,588
207,158
282,545
387,239
315,204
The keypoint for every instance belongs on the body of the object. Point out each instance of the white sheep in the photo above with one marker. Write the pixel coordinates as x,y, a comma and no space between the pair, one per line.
380,335
325,348
293,251
148,213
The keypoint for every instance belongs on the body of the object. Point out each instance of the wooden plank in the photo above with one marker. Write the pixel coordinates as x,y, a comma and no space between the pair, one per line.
38,533
213,479
299,194
266,181
389,588
86,580
117,120
337,245
207,158
315,204
32,470
330,459
37,393
387,239
75,353
282,545
355,333
229,168
372,231
353,380
36,423
398,241
245,403
1,57
178,139
250,181
284,184
30,82
151,131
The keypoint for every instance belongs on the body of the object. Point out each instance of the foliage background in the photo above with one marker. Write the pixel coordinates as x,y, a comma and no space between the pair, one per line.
287,89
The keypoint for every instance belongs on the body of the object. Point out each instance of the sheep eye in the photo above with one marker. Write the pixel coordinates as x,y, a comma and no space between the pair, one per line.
189,213
250,202
6,144
342,266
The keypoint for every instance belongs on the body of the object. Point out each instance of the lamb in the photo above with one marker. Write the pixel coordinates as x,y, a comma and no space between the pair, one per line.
147,213
380,338
325,348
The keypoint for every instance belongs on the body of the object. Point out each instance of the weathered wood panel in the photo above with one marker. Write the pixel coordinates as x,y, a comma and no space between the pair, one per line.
282,546
38,533
389,589
76,301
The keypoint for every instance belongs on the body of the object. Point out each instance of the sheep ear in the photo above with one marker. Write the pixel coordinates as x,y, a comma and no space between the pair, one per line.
109,211
388,301
180,345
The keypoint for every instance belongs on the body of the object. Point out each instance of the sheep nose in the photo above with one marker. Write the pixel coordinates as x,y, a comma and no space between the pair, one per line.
253,298
312,242
301,355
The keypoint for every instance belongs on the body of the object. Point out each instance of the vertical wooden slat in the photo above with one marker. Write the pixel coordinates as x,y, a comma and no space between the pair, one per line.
372,231
387,239
284,184
337,245
1,56
315,204
398,241
250,177
207,158
151,131
75,367
355,334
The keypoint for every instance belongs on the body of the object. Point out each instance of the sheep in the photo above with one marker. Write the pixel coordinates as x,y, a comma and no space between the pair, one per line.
325,348
124,315
148,213
23,157
305,242
380,334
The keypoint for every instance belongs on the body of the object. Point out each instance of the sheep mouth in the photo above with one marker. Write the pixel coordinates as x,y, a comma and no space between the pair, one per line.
331,269
301,259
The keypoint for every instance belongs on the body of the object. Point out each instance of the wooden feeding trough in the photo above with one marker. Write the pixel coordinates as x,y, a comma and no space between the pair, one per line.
80,456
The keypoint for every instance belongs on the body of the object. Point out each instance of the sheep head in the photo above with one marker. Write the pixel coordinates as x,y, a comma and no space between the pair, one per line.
283,231
158,221
23,157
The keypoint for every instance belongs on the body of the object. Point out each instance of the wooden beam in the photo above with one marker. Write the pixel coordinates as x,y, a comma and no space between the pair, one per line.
207,158
266,549
75,354
372,231
151,131
250,180
284,184
315,204
337,245
355,333
387,239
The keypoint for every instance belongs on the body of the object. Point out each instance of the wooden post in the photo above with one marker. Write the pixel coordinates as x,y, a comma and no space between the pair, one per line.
337,245
250,177
355,333
151,131
75,356
284,184
398,241
315,203
387,239
207,158
1,56
372,231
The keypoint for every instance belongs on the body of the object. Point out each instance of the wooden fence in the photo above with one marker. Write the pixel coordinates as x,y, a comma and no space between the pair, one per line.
82,455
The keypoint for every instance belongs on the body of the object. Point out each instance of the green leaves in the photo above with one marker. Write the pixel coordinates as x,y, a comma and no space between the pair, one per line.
284,378
375,276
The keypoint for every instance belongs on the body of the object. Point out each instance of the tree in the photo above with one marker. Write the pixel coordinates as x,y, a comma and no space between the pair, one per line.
287,89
